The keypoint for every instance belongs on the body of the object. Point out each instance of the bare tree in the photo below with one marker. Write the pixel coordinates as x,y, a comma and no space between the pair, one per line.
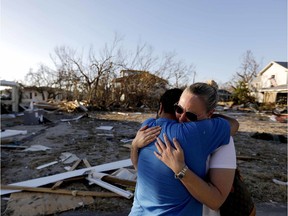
90,76
248,69
176,71
140,59
167,67
43,80
241,80
66,72
75,72
42,77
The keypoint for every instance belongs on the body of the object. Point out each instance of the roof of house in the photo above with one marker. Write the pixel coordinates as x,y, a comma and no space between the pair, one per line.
283,64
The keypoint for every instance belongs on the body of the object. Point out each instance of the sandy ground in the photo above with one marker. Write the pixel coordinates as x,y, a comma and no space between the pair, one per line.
260,161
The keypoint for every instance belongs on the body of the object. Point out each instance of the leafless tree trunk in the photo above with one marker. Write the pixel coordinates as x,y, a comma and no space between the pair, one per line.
248,69
241,80
176,71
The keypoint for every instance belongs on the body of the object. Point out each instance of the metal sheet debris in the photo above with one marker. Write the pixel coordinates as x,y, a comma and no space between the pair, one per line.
33,117
46,165
9,133
126,140
37,148
280,182
67,157
108,135
127,174
73,119
104,128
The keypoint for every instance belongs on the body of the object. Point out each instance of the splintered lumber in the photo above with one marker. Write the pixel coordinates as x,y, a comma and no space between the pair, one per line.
58,177
57,184
87,164
60,191
115,180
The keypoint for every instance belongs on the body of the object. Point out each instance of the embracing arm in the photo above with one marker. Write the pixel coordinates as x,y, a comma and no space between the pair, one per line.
143,137
212,193
234,124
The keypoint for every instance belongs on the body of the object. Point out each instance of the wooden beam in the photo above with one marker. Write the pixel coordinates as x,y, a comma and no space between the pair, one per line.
115,180
60,191
57,184
87,164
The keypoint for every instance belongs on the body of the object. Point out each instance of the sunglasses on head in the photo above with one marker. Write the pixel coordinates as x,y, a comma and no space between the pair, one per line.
191,116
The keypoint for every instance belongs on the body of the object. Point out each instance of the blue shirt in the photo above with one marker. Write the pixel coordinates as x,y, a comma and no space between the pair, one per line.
157,191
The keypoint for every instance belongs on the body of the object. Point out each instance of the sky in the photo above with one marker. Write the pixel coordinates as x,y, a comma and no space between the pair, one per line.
211,35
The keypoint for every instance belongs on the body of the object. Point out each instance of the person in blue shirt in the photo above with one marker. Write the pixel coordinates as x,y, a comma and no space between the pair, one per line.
159,189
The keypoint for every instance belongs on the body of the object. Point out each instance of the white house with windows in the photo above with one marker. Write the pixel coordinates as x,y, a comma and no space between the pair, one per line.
271,83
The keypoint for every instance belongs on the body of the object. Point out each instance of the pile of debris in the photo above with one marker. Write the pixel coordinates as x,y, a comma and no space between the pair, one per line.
67,106
49,190
33,199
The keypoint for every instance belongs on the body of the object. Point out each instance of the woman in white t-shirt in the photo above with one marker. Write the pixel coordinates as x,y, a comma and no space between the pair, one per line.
223,158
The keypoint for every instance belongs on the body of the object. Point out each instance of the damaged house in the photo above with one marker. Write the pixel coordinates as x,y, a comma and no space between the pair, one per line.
138,88
16,95
271,83
10,96
39,94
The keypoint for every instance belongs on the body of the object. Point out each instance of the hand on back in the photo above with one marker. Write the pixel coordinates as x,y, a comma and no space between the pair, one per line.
145,136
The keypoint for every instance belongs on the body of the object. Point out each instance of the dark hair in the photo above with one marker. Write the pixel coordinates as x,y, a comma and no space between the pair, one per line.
169,98
207,92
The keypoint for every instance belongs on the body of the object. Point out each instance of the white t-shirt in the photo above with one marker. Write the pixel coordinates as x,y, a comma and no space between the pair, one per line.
223,157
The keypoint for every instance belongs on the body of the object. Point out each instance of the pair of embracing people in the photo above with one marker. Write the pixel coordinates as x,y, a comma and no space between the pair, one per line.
192,175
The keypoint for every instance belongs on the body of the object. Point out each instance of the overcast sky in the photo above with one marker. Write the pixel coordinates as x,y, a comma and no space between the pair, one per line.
212,35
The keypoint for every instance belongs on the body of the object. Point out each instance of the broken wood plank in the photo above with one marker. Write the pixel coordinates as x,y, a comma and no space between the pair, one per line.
54,178
47,164
60,191
87,164
115,180
57,184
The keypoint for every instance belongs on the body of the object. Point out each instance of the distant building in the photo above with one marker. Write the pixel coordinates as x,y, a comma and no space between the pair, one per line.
224,95
138,87
13,97
271,83
17,95
39,94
